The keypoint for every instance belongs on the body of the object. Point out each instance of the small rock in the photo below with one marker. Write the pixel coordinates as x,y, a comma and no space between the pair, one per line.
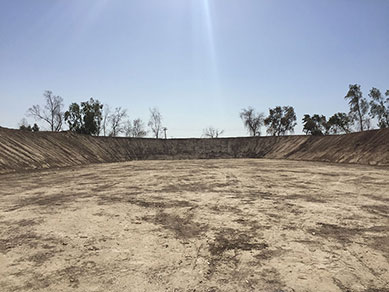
93,248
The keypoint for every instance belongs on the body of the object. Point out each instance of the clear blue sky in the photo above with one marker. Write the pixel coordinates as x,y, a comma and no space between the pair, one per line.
199,61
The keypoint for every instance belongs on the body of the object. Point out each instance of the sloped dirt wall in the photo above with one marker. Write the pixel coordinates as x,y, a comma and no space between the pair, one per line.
21,150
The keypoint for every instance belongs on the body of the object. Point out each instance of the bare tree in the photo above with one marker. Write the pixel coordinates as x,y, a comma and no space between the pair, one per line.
52,112
212,132
252,121
138,128
155,122
23,124
116,120
127,128
106,114
135,129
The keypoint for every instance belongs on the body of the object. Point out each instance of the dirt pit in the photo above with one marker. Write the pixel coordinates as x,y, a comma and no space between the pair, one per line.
196,225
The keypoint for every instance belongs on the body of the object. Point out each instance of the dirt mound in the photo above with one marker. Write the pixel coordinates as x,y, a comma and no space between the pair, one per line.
25,150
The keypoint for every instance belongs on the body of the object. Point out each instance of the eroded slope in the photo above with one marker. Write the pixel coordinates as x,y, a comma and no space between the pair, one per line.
24,150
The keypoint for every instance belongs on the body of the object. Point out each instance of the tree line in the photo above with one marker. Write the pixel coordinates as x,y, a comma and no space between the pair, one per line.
93,118
282,120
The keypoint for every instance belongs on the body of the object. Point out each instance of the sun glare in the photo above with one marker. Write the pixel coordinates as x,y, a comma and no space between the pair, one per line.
211,46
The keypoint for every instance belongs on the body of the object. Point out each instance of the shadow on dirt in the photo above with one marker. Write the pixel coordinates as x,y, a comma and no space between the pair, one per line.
227,245
231,239
49,202
182,227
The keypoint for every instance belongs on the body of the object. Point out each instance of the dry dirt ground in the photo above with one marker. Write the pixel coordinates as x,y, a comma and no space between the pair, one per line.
196,225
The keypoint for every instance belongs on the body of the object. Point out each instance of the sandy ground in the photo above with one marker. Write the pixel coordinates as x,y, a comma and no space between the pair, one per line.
196,225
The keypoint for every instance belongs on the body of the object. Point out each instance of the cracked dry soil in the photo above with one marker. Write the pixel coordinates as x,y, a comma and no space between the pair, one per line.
196,225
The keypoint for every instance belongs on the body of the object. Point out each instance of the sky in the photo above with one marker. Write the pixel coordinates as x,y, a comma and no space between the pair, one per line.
200,62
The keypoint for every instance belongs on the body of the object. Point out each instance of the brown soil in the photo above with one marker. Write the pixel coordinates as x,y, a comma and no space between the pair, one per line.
196,225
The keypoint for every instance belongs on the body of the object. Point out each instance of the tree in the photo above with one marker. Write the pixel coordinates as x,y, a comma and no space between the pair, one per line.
85,118
25,128
116,120
315,125
155,122
164,130
35,128
73,116
359,107
136,129
51,113
281,120
92,111
339,123
212,132
104,124
127,128
379,107
252,121
24,125
310,126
